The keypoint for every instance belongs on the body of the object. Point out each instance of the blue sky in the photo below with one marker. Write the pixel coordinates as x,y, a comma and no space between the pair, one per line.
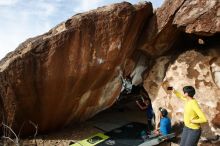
22,19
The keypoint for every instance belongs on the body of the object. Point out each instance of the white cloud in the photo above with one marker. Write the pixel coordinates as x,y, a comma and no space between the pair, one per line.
22,19
45,8
85,5
7,2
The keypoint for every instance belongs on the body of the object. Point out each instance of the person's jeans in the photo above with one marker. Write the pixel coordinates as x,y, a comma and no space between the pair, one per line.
150,125
190,137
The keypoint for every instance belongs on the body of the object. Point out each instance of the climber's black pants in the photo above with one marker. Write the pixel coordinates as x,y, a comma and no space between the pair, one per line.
190,137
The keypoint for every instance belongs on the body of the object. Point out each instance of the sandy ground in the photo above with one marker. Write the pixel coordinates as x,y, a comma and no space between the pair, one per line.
75,132
116,116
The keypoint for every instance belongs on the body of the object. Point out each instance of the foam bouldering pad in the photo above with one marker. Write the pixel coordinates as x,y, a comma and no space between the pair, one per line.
157,140
109,125
112,142
127,135
92,140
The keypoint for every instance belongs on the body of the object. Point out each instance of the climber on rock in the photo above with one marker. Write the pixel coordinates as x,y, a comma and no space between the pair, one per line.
126,85
144,103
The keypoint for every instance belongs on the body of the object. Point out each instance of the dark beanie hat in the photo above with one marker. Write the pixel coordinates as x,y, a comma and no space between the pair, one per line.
163,111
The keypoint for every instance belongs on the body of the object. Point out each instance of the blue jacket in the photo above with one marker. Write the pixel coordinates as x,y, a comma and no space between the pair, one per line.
165,125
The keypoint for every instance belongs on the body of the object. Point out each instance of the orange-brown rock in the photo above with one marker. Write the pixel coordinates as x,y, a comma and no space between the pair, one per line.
71,72
190,68
185,22
176,27
159,33
201,17
216,119
165,29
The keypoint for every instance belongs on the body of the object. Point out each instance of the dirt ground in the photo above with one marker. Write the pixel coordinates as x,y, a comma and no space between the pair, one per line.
115,116
129,112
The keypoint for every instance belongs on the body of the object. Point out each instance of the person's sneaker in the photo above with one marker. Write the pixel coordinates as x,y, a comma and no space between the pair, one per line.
149,132
143,135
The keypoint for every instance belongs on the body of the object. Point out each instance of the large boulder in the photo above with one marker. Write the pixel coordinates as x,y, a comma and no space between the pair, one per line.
183,38
175,27
176,18
199,17
71,72
159,34
190,68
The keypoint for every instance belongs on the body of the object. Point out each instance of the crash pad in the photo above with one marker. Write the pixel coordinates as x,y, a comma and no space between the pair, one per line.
127,135
92,140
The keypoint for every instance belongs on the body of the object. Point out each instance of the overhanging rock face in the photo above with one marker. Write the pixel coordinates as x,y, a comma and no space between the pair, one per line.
71,72
174,17
198,66
159,34
199,17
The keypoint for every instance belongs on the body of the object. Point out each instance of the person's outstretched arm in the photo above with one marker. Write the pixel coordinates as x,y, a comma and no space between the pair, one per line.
179,95
202,118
